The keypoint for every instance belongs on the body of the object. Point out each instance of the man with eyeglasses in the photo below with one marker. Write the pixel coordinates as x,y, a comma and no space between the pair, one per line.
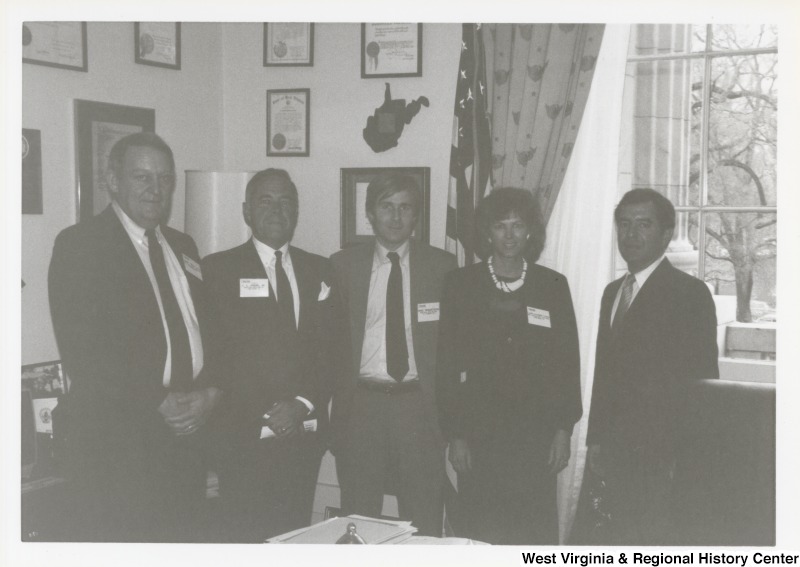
126,298
276,340
386,432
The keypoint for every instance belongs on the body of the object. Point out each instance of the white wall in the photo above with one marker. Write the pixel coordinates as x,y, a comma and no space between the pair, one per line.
213,114
341,101
187,105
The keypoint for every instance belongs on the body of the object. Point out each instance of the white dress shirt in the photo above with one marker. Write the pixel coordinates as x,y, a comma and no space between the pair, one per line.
267,255
180,286
373,351
640,277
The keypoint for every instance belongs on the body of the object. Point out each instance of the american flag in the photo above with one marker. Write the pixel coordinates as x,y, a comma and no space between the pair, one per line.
471,152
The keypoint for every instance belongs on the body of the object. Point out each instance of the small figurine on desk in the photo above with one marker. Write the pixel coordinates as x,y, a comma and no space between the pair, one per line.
351,536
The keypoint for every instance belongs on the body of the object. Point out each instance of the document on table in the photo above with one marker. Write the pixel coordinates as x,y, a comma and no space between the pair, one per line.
373,531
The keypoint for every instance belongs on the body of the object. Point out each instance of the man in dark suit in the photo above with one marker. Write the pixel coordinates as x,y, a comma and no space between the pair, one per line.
127,307
275,338
657,335
384,411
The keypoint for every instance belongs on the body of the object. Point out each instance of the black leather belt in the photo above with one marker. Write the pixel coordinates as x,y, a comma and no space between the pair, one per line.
389,387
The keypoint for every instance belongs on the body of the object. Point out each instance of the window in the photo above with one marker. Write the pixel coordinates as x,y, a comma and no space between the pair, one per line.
702,131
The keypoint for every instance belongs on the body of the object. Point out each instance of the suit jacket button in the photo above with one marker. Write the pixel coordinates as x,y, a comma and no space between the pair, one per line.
509,340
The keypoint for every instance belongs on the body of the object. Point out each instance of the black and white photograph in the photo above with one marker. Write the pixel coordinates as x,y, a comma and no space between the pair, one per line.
540,327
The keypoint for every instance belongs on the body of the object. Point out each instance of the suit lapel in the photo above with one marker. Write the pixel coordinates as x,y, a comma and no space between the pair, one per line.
251,267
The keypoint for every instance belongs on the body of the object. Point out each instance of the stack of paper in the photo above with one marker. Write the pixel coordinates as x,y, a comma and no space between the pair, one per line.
373,531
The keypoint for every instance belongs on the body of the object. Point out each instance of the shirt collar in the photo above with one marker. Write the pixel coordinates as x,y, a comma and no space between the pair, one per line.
381,252
267,253
135,231
642,275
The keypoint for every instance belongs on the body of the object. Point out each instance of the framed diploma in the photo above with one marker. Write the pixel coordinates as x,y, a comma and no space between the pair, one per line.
355,226
98,126
55,44
288,44
391,50
157,44
288,132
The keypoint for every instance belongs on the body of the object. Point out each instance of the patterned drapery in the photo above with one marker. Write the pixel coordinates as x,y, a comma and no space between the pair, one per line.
539,76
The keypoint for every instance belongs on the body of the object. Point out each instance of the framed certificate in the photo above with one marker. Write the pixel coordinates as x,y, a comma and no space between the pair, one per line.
98,126
288,44
55,44
391,50
288,132
158,44
355,227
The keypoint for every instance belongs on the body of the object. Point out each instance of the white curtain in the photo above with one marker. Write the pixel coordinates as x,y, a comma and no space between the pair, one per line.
579,234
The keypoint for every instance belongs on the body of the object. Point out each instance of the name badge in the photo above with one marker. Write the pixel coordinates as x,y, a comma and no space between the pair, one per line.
256,287
538,317
192,267
427,312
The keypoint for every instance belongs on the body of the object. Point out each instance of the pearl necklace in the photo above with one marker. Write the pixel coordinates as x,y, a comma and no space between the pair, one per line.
508,287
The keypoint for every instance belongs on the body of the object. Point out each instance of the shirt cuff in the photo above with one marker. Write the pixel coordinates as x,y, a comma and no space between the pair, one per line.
306,403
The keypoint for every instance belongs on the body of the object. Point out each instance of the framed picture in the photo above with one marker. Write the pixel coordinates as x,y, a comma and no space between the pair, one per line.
158,44
391,50
55,44
98,126
288,131
45,379
354,181
31,172
288,44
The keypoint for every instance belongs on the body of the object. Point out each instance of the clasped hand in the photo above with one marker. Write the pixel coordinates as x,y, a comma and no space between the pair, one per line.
186,412
285,418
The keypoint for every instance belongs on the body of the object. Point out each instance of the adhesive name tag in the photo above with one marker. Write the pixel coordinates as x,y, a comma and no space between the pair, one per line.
427,312
255,287
538,317
192,267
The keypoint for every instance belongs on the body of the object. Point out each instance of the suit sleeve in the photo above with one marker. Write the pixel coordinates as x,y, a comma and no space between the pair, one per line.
332,340
83,326
601,389
449,393
567,382
698,344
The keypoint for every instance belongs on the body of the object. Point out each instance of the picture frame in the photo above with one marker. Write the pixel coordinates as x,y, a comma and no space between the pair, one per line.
98,126
288,44
56,44
288,122
355,227
391,50
157,44
32,172
45,379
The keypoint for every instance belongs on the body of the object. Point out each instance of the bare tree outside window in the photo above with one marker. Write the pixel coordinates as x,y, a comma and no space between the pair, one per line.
704,132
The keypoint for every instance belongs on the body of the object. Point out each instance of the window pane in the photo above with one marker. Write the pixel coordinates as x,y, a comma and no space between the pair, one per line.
660,39
666,108
743,36
699,37
683,250
742,131
740,261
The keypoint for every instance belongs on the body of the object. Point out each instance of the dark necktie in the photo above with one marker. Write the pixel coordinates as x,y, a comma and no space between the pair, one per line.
625,299
284,290
180,350
396,346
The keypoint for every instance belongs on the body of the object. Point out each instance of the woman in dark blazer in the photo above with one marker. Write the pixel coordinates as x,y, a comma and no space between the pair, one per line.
508,383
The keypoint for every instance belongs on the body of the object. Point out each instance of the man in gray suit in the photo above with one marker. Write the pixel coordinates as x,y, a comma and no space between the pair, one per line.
386,432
